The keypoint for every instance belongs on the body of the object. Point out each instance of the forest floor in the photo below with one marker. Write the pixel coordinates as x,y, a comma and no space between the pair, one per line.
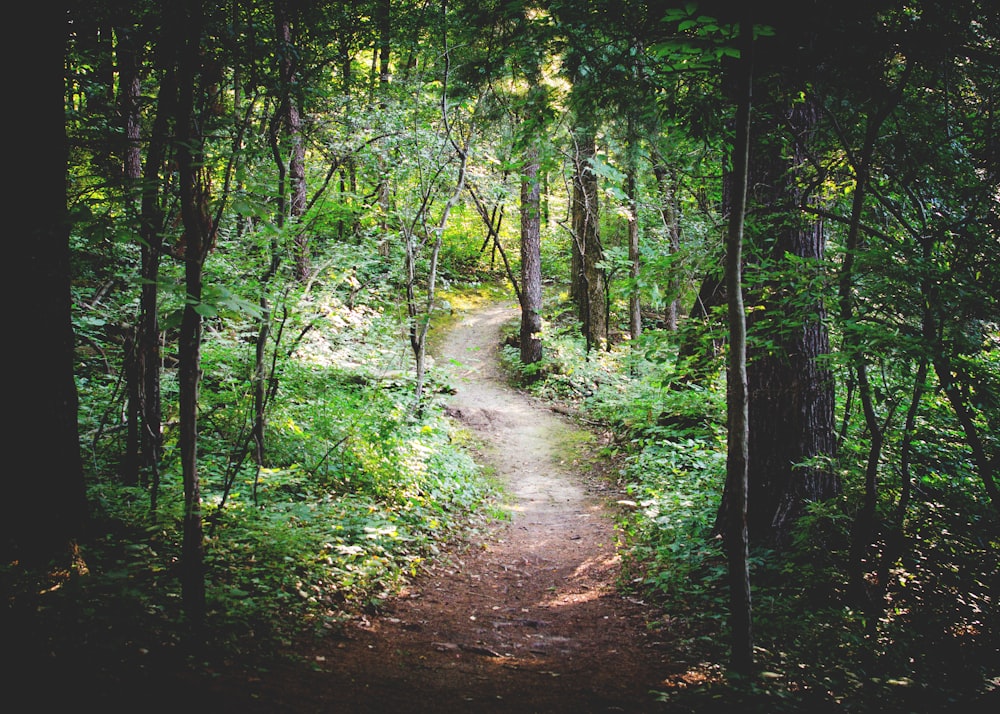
524,619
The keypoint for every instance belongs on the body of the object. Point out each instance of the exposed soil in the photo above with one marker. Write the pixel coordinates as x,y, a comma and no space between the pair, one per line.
526,619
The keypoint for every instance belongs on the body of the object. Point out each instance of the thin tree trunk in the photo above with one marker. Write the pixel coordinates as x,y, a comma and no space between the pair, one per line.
864,526
291,117
384,9
151,250
266,315
666,180
45,504
634,298
198,233
382,190
736,535
129,115
531,264
420,318
588,252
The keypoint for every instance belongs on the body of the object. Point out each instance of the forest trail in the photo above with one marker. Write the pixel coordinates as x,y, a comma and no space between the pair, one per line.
524,620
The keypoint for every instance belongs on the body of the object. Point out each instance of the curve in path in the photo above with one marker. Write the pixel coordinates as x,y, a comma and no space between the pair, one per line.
527,619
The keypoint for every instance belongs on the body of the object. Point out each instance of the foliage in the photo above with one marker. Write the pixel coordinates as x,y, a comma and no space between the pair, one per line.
356,494
933,645
355,489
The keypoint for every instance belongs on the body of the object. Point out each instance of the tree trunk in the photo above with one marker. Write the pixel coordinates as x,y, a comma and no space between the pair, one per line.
634,298
151,248
384,10
737,474
129,88
198,234
588,252
666,180
382,190
791,393
45,506
531,263
292,119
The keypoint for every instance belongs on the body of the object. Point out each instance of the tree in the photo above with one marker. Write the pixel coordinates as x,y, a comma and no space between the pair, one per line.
737,393
791,390
791,395
420,233
199,232
635,264
531,265
46,506
587,278
290,116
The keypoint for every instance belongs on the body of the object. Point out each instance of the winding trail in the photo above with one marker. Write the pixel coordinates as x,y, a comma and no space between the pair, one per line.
524,620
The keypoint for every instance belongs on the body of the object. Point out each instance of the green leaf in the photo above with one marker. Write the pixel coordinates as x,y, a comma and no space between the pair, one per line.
205,310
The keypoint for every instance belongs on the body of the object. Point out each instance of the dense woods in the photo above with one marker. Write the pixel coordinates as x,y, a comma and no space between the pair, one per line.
758,248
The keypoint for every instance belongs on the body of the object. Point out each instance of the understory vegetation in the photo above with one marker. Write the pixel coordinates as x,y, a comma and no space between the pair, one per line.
359,493
934,646
261,216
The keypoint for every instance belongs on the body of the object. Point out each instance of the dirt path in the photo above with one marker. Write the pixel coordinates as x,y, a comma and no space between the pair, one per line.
527,620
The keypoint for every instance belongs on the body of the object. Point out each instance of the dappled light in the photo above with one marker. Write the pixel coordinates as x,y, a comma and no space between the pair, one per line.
491,356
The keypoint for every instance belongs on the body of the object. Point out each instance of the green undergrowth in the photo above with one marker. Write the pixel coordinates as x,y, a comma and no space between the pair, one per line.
358,491
932,647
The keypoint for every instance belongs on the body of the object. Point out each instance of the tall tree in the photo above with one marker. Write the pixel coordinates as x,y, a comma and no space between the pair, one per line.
791,396
738,435
531,263
152,216
198,235
130,118
667,185
791,390
631,192
587,278
45,501
290,115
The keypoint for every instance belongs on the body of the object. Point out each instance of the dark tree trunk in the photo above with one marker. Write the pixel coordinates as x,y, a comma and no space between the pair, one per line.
666,180
384,10
382,191
151,221
129,88
292,119
588,278
531,265
131,151
634,298
198,236
738,446
791,392
45,504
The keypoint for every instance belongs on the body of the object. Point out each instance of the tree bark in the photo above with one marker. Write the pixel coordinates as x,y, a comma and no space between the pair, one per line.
634,298
151,248
791,392
292,119
384,9
198,236
45,506
531,263
588,252
129,88
667,182
738,442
